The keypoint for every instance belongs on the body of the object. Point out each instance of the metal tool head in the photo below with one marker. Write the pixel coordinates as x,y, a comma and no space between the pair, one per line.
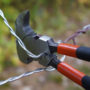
33,42
22,30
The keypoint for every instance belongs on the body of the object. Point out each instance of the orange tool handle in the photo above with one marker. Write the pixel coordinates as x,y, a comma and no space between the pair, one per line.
74,51
75,75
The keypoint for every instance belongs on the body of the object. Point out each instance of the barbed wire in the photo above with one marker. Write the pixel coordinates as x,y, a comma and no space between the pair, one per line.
85,28
26,74
79,32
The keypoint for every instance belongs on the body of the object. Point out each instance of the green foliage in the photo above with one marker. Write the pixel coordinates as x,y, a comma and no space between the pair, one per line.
55,78
6,2
5,87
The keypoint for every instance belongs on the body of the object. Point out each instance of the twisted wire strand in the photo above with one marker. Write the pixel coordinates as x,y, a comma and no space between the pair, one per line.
24,75
79,32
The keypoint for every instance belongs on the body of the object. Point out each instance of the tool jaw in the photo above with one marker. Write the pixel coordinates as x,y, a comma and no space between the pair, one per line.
22,25
34,43
22,30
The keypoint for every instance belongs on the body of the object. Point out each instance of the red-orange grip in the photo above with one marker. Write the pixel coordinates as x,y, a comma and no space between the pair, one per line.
67,49
70,72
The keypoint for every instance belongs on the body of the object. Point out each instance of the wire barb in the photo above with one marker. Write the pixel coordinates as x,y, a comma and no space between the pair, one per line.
81,31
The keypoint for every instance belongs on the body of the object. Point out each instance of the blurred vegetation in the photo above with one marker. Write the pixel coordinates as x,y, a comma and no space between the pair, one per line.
74,88
55,78
52,17
85,69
